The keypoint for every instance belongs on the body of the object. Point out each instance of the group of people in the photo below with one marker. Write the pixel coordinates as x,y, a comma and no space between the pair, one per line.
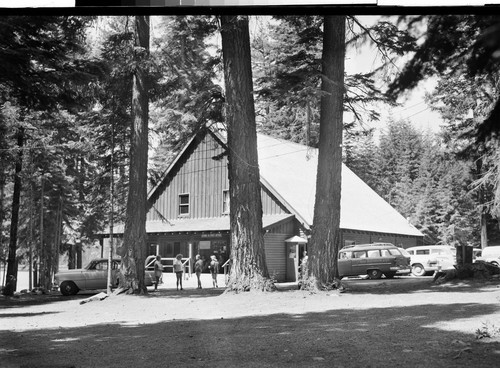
213,266
199,265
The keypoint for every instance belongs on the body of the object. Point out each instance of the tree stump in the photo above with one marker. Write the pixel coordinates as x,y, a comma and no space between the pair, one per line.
479,271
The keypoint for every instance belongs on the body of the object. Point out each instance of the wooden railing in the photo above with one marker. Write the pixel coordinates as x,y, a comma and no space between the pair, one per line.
168,263
227,268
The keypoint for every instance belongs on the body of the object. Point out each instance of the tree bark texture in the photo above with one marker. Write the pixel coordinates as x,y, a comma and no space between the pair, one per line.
11,282
325,239
249,270
134,239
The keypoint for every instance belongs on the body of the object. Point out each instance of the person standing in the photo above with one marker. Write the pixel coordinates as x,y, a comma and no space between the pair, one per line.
178,270
198,267
214,269
303,265
158,271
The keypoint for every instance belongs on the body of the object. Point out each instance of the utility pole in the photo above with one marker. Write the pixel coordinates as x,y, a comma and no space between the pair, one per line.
111,222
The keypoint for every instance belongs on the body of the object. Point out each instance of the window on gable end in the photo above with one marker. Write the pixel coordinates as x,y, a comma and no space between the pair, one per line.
183,204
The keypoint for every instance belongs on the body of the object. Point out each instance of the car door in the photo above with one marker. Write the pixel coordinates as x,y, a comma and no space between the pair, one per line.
344,263
96,276
396,258
376,261
445,257
359,260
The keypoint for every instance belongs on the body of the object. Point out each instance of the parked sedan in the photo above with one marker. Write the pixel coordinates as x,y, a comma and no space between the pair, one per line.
93,276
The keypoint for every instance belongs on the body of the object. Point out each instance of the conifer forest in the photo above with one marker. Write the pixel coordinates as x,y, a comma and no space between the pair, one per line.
94,108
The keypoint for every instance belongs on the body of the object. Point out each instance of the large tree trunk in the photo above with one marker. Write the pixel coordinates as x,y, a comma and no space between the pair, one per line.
11,282
325,239
134,238
249,270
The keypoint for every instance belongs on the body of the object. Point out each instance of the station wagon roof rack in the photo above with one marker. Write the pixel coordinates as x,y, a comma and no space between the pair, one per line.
368,244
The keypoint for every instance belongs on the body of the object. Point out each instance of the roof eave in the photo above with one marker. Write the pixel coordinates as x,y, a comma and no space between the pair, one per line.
172,165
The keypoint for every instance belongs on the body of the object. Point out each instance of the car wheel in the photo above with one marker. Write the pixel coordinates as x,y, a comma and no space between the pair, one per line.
417,269
68,288
390,275
374,274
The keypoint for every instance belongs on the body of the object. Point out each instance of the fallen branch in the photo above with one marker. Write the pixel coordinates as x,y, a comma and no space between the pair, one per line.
94,298
119,291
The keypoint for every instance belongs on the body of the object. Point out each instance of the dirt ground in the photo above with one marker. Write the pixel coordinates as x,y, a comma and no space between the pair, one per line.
406,322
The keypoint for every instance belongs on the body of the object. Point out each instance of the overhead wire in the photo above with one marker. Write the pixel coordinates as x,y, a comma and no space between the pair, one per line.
427,108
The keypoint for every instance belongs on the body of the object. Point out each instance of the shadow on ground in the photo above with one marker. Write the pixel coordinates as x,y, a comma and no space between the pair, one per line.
28,299
396,285
30,315
380,337
417,285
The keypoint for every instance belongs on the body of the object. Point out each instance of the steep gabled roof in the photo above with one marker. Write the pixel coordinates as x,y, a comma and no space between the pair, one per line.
290,170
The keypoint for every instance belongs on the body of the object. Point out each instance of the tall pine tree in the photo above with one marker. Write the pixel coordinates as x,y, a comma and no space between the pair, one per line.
249,270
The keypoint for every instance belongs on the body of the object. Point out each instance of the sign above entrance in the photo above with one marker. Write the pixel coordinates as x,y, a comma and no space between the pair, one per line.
214,235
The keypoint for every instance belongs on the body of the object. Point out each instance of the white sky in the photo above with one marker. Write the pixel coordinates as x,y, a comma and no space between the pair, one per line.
413,106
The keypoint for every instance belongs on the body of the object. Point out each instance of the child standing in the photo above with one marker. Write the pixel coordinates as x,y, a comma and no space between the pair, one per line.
198,267
214,269
178,270
158,271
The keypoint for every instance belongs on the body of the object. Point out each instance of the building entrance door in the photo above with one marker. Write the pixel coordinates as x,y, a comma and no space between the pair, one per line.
295,248
292,262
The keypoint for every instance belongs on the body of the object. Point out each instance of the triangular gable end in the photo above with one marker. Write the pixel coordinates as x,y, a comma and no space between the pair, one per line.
198,173
179,160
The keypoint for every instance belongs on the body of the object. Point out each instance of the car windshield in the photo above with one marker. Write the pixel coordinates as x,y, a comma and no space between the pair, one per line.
390,252
100,264
404,252
91,265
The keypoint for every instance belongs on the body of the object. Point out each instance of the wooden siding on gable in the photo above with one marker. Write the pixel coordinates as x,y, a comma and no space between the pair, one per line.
270,205
286,227
204,179
198,175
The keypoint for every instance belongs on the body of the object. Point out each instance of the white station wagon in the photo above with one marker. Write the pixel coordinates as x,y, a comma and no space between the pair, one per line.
93,276
430,258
